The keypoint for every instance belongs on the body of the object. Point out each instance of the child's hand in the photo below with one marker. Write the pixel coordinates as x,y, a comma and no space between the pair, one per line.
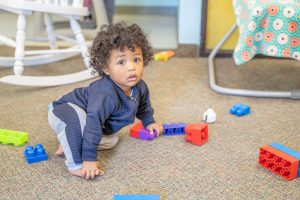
156,126
91,169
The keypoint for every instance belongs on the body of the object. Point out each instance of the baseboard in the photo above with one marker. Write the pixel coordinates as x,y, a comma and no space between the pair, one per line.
164,11
187,50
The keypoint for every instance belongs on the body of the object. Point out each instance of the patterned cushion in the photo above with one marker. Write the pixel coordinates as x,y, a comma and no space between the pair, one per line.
268,27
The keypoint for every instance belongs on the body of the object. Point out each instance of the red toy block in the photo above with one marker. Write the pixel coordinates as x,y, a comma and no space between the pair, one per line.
196,133
134,131
278,162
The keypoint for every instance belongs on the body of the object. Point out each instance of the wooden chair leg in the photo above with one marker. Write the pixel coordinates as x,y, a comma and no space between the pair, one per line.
20,45
80,39
50,31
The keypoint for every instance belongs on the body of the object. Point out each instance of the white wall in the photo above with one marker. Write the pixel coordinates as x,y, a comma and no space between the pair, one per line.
189,16
189,21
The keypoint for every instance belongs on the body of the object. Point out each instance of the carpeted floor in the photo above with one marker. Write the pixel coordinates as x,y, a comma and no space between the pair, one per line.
224,168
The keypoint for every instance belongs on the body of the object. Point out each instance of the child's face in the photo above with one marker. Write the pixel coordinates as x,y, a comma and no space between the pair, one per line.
125,68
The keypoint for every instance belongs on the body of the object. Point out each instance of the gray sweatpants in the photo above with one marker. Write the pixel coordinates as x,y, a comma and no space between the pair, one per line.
59,126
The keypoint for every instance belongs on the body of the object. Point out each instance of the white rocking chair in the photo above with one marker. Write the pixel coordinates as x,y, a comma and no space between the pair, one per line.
37,57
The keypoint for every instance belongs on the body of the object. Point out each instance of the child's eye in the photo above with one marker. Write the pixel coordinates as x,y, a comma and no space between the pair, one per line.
121,62
137,60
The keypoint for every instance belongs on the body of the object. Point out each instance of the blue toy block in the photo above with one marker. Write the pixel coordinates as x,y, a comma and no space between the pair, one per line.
136,197
240,109
174,129
287,150
35,154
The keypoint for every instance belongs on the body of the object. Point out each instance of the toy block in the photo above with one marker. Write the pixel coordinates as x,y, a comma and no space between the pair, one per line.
209,116
278,162
144,134
163,55
35,154
134,131
174,129
138,131
136,197
197,133
240,109
288,151
17,138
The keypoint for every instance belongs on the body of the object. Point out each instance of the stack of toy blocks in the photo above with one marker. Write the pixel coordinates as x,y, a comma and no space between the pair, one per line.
17,138
280,160
138,131
196,133
35,154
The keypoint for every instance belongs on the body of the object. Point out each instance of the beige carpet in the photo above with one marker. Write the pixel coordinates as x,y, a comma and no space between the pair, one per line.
224,168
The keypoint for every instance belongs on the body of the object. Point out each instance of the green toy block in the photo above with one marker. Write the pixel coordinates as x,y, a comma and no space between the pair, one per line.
17,138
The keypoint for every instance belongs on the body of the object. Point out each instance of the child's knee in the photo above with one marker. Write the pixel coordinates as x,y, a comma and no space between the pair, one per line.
108,141
55,123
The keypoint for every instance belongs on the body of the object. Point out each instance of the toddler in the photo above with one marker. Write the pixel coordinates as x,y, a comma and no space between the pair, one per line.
87,119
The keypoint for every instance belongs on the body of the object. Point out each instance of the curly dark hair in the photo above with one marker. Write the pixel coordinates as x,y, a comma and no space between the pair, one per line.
118,36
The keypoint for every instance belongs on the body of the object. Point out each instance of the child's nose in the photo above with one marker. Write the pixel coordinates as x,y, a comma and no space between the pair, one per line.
132,66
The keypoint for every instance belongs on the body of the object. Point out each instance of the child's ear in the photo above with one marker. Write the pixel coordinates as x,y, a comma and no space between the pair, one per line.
105,70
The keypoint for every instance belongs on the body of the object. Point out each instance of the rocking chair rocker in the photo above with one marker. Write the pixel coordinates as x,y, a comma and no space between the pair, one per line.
37,57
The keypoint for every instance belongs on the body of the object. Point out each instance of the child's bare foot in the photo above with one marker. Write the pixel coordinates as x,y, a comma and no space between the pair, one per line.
60,152
76,172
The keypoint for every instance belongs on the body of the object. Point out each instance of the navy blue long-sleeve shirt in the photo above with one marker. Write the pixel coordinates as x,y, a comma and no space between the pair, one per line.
108,110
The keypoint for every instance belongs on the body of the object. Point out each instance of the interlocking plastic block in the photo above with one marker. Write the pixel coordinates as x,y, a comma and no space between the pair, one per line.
174,129
287,150
35,154
138,131
209,116
278,162
163,55
17,138
136,197
196,133
240,109
134,131
144,134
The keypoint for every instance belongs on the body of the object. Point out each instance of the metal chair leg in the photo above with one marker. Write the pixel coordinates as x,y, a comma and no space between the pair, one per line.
294,94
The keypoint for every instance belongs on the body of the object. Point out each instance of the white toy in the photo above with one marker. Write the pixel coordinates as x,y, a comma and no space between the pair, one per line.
209,116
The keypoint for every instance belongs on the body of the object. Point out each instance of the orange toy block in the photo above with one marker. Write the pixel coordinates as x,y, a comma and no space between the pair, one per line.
134,131
196,133
163,55
278,162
